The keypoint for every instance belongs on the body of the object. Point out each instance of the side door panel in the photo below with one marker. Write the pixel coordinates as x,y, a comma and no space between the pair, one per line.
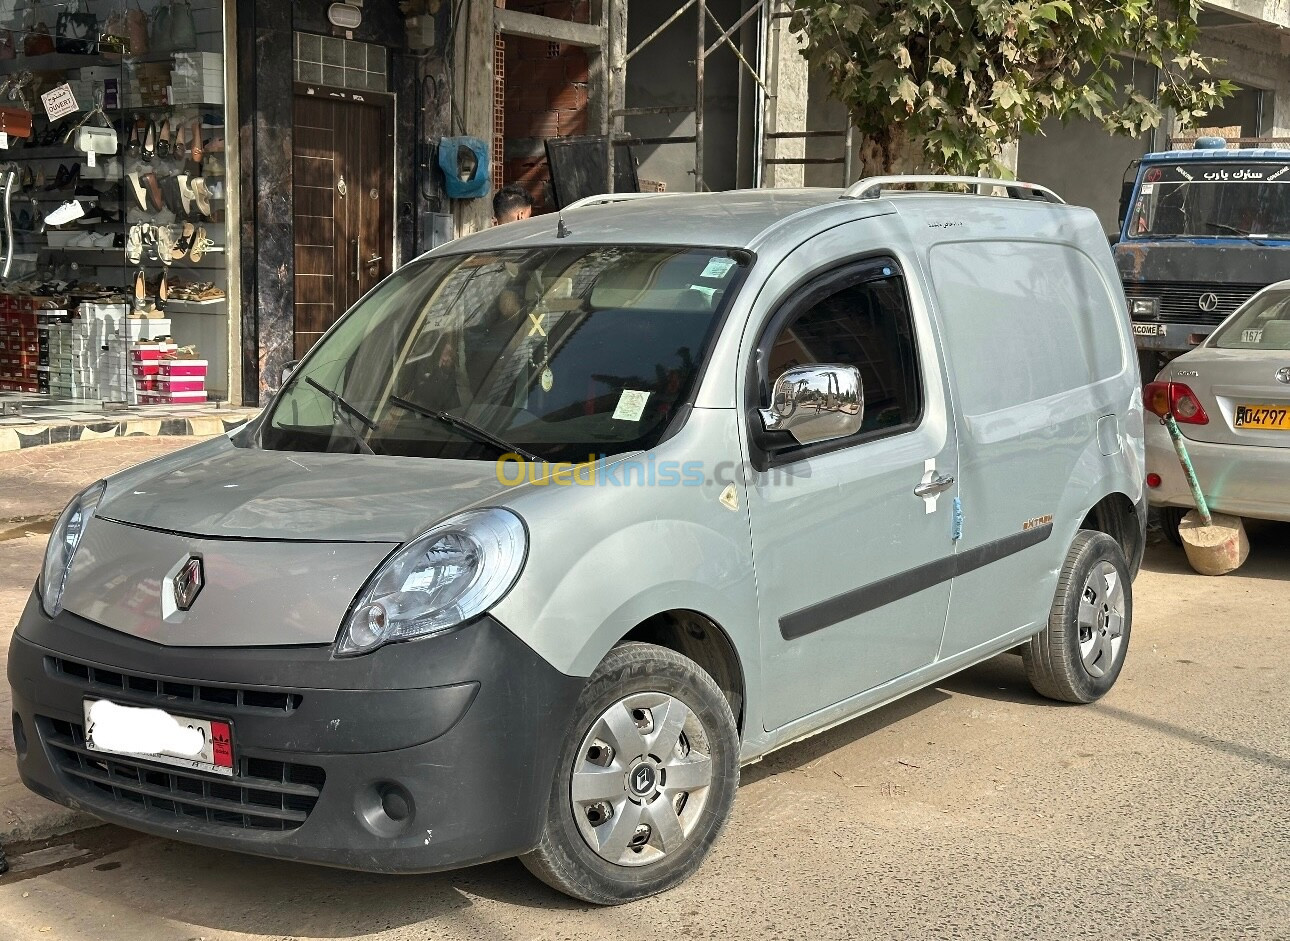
852,567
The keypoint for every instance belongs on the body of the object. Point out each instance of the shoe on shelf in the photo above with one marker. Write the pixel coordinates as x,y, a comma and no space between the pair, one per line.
202,195
201,245
134,244
186,195
163,138
166,244
81,240
141,302
184,244
154,191
67,212
163,292
106,239
138,190
148,147
170,195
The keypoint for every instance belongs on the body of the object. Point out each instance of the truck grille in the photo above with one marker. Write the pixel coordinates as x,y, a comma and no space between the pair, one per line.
1180,300
263,795
168,694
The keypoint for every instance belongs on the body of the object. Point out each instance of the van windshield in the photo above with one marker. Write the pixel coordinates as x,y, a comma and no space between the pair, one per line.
1263,325
556,353
1219,199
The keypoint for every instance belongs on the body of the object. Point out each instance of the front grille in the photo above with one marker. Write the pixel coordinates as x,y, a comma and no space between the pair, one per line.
262,795
1180,300
169,694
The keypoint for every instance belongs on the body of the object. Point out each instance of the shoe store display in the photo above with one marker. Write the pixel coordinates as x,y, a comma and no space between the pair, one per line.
110,239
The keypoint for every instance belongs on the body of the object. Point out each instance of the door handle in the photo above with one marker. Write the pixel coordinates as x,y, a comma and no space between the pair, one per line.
934,486
358,261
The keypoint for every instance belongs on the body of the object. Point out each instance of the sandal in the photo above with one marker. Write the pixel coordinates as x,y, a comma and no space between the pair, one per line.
184,244
201,245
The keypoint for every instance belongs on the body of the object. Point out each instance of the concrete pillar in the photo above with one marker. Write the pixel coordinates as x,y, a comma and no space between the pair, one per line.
787,109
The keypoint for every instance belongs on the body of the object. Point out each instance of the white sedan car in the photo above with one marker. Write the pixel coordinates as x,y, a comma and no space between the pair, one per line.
1231,399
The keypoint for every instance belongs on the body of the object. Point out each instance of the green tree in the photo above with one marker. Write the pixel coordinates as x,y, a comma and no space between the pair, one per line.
946,84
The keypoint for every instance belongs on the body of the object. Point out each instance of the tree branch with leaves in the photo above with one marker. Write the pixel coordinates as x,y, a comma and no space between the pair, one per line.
947,84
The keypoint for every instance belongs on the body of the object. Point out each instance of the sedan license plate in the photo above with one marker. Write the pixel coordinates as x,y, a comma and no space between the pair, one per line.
195,744
1266,417
1146,329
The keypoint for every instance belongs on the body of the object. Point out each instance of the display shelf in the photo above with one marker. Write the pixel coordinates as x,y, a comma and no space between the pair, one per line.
197,307
52,62
20,154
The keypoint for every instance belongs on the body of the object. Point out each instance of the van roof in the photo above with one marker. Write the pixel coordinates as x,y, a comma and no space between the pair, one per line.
1243,153
732,219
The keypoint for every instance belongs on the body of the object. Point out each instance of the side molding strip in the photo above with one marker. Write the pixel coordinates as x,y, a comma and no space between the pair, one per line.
886,590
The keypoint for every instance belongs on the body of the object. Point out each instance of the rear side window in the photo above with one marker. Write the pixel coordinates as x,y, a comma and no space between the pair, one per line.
1263,325
865,325
1024,321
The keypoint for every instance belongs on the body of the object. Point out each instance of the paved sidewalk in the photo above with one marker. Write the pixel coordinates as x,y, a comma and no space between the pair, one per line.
35,485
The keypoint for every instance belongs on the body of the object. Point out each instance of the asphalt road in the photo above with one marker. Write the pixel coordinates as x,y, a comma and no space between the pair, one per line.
970,810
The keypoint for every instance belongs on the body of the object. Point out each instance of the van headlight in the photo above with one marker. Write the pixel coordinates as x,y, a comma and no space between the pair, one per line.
63,542
456,571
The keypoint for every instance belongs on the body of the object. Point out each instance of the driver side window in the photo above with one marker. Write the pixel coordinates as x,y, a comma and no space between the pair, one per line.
868,326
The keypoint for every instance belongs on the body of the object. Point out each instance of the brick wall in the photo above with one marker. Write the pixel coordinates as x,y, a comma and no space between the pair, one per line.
545,95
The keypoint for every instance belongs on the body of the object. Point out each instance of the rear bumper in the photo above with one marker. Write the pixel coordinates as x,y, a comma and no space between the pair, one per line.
346,766
1172,336
1241,480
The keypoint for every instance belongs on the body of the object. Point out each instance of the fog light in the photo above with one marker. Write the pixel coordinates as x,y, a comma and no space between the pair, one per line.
385,808
19,737
1153,481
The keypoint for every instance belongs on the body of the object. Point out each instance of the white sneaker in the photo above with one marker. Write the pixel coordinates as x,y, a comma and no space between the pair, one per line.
134,244
103,239
81,240
65,213
186,195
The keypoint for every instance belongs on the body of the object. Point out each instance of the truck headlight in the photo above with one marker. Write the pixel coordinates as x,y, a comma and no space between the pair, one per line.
63,542
1143,306
454,572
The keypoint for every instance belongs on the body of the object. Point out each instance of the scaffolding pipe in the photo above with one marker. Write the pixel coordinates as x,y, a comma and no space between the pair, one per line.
699,57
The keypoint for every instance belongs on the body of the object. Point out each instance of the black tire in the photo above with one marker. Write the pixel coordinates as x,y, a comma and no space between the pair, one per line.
1054,662
1170,517
564,858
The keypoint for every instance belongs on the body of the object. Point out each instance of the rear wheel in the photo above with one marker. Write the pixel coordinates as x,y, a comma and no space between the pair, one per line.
645,782
1078,655
1170,517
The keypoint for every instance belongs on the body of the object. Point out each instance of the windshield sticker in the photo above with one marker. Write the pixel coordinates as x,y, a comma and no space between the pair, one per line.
1148,189
631,405
718,268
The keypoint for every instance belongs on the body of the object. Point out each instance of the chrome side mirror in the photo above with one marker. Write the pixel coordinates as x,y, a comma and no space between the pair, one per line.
816,403
287,370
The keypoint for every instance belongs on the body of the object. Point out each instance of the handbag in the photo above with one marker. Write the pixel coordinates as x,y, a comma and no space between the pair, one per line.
113,38
96,140
16,122
183,28
136,30
38,41
160,31
77,30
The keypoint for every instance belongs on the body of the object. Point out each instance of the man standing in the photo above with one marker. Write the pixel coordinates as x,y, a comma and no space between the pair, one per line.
511,203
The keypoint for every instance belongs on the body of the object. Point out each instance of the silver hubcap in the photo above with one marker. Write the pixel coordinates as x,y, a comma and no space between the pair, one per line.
641,779
1101,619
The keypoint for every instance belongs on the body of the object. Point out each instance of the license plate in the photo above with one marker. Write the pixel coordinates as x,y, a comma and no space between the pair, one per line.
1267,417
195,744
1146,329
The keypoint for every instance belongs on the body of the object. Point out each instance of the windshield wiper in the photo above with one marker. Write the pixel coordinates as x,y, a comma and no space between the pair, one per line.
1230,228
343,411
469,428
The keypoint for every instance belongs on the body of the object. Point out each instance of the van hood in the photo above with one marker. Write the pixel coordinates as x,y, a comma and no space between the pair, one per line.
224,491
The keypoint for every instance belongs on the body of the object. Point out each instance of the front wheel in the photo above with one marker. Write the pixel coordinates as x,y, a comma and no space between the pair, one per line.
1078,655
646,779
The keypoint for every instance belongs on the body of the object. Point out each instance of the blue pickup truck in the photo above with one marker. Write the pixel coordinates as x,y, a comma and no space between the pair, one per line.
1201,231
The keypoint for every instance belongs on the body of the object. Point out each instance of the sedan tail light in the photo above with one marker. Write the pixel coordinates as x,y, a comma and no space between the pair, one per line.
1176,398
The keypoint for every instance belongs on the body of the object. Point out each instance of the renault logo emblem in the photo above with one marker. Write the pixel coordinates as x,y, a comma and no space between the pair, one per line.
1283,374
188,583
1208,302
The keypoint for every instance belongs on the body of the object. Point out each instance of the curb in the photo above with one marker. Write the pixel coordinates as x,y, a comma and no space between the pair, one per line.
22,437
59,822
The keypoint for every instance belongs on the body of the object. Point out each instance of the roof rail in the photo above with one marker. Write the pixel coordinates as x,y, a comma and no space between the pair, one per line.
604,199
872,187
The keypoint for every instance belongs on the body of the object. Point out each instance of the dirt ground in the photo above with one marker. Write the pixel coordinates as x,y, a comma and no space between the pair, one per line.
970,810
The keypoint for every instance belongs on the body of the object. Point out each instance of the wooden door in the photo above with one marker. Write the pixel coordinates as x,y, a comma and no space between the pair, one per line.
343,189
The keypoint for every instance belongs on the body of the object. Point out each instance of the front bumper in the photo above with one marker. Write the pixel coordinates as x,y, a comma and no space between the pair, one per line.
1237,479
422,756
